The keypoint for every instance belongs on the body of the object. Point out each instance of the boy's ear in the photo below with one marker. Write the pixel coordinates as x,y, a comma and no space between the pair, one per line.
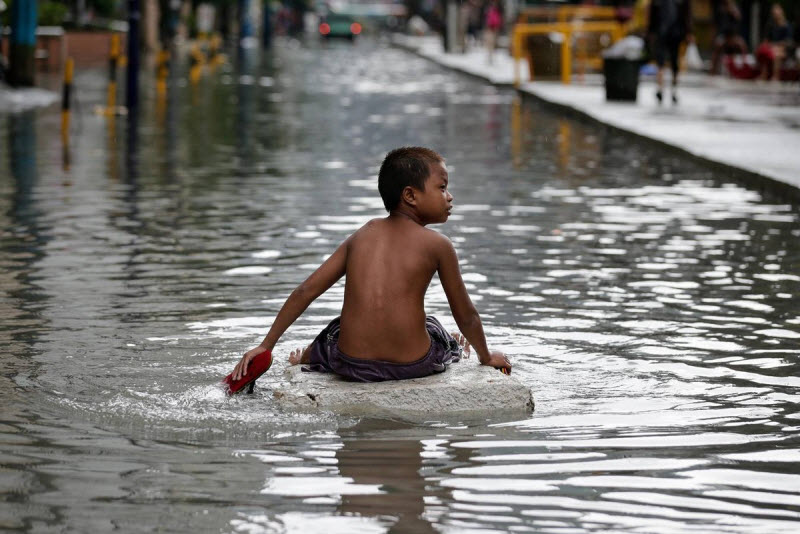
409,196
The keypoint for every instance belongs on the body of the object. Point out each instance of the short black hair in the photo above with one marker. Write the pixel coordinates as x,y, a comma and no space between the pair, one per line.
409,165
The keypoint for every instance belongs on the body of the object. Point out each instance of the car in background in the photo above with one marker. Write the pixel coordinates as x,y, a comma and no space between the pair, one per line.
339,25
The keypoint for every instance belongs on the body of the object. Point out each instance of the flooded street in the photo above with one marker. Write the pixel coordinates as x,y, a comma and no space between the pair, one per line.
647,300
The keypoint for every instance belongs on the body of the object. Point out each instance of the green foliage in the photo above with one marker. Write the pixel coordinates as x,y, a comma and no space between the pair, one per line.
104,8
52,13
49,13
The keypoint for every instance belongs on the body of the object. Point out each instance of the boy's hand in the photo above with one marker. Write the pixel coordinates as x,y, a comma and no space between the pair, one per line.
498,360
241,368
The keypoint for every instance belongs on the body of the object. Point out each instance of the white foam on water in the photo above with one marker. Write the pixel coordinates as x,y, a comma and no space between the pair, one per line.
250,270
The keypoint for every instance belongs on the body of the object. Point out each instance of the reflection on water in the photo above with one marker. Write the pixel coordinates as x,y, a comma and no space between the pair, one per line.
645,299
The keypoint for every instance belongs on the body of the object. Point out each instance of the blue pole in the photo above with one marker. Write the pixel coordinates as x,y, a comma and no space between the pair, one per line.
266,37
132,82
22,42
245,25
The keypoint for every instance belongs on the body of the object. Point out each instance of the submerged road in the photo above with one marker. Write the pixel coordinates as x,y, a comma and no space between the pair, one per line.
647,300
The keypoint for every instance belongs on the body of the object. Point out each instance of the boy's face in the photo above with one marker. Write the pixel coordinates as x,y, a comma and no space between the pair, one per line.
435,202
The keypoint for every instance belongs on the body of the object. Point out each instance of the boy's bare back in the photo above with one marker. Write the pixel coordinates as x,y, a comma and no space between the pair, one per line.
389,265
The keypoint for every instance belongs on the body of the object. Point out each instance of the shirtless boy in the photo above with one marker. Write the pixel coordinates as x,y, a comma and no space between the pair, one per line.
383,333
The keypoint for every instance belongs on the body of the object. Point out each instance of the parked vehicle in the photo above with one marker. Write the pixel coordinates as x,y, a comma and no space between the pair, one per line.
339,25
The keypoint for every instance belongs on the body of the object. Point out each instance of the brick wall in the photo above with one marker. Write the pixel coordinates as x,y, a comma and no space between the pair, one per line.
91,48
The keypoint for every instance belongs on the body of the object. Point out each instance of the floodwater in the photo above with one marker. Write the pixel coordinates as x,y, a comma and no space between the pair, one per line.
647,300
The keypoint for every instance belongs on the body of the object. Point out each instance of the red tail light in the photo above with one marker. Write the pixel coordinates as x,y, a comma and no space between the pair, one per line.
324,28
355,28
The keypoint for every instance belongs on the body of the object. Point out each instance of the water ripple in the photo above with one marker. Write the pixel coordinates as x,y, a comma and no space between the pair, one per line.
646,300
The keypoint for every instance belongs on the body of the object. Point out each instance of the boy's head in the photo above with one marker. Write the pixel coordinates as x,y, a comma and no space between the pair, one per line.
403,167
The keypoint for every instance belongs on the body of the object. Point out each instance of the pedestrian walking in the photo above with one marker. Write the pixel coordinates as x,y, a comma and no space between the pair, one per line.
670,24
494,23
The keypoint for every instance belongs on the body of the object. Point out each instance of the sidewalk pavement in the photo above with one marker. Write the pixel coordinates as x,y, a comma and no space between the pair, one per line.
18,100
741,124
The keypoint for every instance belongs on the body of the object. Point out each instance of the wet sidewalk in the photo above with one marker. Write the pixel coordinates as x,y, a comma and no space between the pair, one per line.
743,125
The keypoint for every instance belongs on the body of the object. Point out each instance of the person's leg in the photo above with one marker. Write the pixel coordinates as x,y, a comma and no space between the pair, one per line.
674,51
448,347
491,39
318,352
740,44
763,64
765,60
778,54
299,356
462,342
716,55
659,53
660,84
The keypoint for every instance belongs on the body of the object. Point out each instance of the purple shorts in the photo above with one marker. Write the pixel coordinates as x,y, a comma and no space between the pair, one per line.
325,357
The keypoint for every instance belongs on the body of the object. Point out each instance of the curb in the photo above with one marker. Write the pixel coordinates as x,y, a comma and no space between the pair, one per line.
765,185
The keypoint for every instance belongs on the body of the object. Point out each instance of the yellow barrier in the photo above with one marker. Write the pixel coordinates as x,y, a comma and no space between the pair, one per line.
215,56
66,103
615,29
196,63
566,13
162,71
111,97
66,99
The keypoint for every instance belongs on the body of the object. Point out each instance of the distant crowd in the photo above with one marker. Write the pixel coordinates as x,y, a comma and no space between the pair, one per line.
774,55
777,55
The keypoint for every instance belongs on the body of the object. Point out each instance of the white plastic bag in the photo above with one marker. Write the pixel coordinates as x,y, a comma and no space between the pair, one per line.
693,59
631,47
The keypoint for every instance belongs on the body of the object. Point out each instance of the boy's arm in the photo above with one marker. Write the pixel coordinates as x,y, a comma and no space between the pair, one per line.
315,285
464,311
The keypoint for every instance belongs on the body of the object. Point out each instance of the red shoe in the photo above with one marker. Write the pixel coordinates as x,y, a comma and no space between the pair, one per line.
258,366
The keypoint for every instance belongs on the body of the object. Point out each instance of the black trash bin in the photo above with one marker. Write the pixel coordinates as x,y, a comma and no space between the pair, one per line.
622,78
544,56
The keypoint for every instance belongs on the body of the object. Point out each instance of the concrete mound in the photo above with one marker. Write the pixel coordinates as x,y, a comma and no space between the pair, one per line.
466,389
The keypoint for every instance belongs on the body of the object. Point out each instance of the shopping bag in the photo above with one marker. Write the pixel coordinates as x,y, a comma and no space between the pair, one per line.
693,59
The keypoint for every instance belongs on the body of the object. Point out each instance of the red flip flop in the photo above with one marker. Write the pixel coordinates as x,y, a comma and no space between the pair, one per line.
258,366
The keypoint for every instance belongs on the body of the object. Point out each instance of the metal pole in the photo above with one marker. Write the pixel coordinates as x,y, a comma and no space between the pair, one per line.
22,43
132,82
516,53
111,98
66,99
266,35
566,58
245,25
755,24
452,26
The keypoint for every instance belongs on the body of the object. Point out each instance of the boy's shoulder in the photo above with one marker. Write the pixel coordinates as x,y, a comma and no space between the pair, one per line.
374,227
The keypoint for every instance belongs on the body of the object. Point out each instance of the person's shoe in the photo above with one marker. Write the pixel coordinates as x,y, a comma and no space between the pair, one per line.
659,97
674,99
258,366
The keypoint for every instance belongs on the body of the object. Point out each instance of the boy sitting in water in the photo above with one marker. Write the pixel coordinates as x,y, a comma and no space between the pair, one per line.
383,333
